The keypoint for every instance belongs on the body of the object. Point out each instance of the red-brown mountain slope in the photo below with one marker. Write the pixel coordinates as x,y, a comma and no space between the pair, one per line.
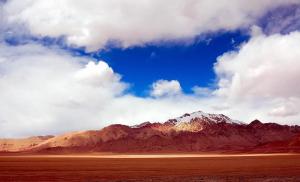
195,132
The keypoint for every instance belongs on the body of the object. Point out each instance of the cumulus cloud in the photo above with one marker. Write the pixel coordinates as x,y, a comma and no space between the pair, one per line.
283,111
264,72
94,23
163,88
40,88
283,107
100,74
202,91
267,66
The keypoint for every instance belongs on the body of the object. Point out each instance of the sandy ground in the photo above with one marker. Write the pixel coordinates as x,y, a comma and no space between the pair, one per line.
152,167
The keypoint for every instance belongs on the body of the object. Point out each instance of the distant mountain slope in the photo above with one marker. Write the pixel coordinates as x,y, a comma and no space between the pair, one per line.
15,145
195,132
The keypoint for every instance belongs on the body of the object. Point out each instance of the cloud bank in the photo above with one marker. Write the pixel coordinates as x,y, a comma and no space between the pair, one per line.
264,71
94,23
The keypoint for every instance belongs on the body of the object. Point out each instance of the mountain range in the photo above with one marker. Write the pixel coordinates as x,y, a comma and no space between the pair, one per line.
194,132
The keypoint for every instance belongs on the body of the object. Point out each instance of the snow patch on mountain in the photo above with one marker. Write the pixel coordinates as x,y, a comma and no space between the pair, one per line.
214,118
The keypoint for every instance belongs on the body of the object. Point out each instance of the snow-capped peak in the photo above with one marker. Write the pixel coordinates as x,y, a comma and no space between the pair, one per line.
215,118
141,125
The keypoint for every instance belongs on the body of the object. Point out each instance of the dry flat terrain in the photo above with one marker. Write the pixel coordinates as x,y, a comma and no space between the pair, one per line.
164,167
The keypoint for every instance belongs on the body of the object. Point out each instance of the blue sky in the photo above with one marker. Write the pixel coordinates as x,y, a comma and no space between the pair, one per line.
190,64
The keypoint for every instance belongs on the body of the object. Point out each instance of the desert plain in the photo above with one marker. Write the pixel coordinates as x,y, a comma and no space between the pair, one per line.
100,167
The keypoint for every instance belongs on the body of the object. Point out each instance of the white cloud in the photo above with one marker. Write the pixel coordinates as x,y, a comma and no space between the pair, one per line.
100,74
40,90
93,23
202,91
264,74
163,88
285,107
283,111
266,66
